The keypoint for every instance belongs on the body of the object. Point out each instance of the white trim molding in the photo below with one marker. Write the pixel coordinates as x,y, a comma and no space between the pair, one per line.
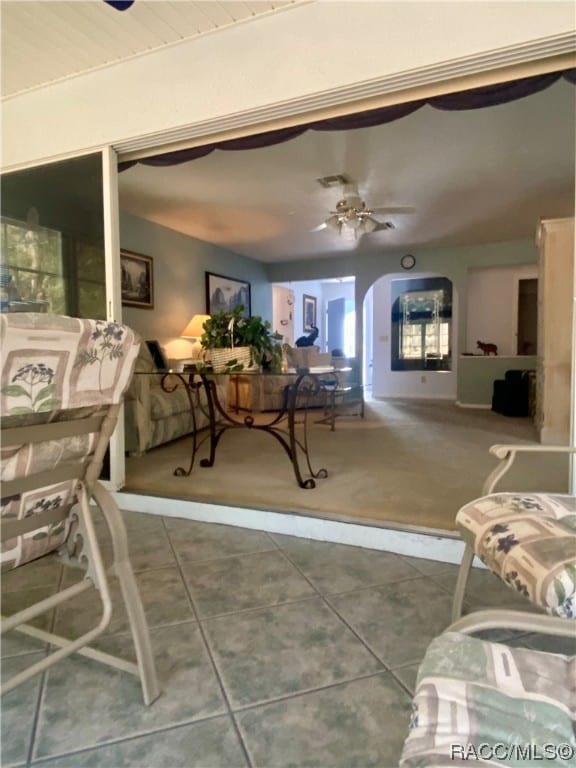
522,60
445,546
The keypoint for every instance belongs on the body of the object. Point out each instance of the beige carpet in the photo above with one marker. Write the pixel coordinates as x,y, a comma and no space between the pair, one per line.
409,462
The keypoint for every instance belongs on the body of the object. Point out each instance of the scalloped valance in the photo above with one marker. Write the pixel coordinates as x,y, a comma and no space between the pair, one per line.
475,98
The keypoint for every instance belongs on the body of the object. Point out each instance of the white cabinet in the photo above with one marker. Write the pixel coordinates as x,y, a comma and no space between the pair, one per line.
555,299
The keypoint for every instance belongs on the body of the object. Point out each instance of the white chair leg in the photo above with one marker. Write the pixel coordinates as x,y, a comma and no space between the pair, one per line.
130,594
462,581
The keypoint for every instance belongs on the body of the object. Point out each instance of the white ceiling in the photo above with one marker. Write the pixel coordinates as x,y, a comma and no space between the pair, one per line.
43,41
472,177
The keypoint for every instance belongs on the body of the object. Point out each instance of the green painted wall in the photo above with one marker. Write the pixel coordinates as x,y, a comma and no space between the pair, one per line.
476,375
180,264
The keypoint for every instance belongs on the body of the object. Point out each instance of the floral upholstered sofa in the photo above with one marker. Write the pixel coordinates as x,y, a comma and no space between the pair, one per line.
154,416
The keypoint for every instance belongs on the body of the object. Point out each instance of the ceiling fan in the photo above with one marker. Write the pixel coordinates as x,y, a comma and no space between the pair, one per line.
353,218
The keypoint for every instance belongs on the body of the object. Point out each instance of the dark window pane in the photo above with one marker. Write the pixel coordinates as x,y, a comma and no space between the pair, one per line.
421,324
53,238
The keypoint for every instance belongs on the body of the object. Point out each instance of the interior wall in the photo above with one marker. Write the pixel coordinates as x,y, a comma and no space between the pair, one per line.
305,50
493,307
180,263
477,374
283,313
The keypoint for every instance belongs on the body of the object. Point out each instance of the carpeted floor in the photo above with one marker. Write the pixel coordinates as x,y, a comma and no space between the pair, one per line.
409,462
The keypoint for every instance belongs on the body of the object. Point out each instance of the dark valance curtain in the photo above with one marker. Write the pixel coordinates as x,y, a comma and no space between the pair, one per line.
476,98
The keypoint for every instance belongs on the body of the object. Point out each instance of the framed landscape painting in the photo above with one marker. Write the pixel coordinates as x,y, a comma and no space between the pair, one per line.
137,280
309,312
223,294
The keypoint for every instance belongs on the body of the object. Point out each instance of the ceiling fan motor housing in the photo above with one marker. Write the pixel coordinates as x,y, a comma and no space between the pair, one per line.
350,205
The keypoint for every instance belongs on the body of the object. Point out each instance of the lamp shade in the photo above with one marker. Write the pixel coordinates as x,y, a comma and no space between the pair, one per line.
195,327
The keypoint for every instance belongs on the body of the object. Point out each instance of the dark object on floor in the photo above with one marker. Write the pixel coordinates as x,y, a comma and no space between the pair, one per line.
308,341
487,349
511,395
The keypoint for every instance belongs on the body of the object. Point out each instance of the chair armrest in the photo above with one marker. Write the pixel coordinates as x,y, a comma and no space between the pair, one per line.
497,618
507,455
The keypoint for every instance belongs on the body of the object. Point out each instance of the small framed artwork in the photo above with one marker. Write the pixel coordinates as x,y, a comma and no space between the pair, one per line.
223,294
137,280
309,312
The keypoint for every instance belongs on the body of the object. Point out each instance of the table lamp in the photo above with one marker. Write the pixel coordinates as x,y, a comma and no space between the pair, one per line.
194,330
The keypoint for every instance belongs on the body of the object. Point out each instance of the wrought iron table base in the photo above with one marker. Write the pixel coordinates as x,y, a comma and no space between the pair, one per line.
220,421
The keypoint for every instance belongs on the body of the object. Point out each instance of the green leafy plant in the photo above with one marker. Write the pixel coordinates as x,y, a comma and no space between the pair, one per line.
232,329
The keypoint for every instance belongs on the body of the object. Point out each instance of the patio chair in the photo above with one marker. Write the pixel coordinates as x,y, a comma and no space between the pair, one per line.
485,702
62,384
527,540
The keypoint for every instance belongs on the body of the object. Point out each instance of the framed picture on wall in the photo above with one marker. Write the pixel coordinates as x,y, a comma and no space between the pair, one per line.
223,294
309,312
137,280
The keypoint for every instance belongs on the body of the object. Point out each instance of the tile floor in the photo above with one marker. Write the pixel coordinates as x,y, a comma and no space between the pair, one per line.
271,650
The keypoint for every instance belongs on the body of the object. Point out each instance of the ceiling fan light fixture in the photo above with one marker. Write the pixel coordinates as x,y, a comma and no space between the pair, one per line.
353,222
334,223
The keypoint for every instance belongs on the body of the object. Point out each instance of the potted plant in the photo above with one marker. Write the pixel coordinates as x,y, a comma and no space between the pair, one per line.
248,341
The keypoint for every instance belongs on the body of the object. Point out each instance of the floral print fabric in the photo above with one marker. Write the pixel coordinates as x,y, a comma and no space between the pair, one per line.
529,541
473,694
54,368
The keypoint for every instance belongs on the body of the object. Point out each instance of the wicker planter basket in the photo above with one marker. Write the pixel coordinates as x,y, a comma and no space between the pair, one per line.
220,358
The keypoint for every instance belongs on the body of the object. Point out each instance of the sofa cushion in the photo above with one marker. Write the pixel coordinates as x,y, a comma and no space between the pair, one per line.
529,541
475,700
164,404
307,357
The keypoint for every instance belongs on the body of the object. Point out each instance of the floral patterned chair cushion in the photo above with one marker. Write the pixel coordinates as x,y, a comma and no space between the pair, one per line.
478,702
54,368
529,541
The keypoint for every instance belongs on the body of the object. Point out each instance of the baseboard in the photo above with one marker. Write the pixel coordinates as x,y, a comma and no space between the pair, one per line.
483,406
446,548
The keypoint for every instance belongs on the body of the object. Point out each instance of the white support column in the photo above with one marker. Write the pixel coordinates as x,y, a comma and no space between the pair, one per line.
573,387
113,295
572,485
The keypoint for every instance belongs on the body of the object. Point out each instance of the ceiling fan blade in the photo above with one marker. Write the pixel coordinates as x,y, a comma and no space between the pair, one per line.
377,226
394,209
320,227
382,225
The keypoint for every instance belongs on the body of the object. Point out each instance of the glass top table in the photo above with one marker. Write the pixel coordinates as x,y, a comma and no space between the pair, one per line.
288,424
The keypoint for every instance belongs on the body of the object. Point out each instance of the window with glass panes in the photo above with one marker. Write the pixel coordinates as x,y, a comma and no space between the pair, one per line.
421,324
48,271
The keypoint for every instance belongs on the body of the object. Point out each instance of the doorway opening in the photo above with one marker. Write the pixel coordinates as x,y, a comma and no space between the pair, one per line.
334,305
527,327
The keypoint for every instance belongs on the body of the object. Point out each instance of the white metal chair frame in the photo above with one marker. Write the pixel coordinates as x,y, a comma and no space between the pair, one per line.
85,549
